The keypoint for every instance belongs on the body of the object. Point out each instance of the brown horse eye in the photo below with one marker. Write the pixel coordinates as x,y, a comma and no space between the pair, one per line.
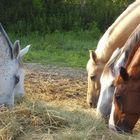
93,77
118,98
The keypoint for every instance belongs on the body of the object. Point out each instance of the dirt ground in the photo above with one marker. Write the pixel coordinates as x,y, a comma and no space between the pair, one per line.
55,107
58,85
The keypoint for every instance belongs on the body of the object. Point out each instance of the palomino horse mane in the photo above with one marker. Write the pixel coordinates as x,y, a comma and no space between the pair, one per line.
125,13
118,32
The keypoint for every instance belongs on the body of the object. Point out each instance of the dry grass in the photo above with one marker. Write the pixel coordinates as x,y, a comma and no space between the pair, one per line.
27,118
54,108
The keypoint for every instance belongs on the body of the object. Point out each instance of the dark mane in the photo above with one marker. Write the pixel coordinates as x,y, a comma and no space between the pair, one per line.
7,39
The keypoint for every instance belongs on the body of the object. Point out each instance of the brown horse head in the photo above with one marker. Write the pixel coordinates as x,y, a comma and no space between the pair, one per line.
94,69
125,108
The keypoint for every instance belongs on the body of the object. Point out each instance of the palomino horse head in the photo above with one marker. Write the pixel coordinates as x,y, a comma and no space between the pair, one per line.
126,100
115,37
94,69
10,69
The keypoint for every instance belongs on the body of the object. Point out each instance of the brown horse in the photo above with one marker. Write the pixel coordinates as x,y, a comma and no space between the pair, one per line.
114,37
125,110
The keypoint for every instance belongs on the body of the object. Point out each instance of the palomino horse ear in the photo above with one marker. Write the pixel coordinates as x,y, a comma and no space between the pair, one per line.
24,51
124,74
16,48
93,55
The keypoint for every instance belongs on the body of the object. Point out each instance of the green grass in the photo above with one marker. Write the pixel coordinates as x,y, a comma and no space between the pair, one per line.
62,48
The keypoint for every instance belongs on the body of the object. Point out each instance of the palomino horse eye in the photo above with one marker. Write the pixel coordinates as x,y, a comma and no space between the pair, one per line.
93,77
17,78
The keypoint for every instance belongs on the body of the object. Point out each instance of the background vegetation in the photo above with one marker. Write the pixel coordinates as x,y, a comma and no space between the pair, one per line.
60,31
43,16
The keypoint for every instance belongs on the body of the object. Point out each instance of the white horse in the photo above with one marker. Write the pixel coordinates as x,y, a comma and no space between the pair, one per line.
107,88
111,70
11,69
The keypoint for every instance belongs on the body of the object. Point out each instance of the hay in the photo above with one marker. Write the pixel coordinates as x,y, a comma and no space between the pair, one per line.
54,108
29,117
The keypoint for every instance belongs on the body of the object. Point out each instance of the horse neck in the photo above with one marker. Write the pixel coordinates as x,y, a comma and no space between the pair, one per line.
101,47
132,53
125,13
134,66
118,33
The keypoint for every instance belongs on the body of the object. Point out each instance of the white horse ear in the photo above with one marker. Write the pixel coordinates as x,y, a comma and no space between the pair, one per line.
93,56
16,48
113,58
24,51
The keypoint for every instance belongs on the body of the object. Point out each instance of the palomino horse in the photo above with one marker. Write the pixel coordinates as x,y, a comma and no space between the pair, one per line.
114,37
11,69
111,70
125,110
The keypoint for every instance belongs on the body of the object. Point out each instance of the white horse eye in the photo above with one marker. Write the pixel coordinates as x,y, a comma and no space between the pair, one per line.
17,78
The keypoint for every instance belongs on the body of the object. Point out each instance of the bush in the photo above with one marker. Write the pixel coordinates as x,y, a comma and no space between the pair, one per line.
43,16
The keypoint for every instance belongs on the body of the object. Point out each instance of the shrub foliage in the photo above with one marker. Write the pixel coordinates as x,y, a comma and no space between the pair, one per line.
23,16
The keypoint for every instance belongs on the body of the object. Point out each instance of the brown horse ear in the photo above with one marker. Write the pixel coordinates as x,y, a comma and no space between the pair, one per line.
124,74
93,55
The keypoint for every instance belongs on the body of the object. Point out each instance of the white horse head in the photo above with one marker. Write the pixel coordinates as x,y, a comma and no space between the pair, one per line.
11,70
110,71
19,88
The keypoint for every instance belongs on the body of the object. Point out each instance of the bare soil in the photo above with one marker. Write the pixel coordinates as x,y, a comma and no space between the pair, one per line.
58,85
